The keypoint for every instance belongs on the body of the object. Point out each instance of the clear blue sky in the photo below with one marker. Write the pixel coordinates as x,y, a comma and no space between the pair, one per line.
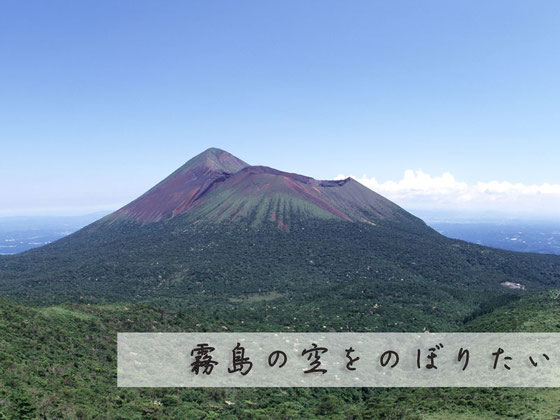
101,99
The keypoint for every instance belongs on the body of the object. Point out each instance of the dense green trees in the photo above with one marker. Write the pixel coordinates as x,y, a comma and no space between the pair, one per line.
60,362
345,276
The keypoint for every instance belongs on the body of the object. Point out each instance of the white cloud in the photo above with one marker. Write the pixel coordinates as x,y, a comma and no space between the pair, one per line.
419,190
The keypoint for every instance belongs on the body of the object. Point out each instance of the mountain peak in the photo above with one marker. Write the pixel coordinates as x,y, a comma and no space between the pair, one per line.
182,188
215,159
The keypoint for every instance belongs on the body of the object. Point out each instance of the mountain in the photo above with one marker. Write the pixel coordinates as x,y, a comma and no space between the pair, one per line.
217,186
261,247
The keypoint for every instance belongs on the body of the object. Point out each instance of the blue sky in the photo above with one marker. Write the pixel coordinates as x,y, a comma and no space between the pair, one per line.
101,99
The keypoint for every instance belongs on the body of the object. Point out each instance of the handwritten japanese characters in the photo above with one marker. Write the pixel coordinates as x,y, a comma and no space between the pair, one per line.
338,359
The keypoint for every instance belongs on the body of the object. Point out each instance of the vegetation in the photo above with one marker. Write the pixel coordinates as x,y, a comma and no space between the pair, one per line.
345,276
60,362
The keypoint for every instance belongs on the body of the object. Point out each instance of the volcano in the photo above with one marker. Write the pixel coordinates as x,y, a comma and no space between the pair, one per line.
217,186
257,243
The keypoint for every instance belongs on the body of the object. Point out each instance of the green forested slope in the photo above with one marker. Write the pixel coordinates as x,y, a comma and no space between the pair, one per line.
351,275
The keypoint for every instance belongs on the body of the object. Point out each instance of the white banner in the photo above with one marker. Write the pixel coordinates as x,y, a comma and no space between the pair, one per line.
339,360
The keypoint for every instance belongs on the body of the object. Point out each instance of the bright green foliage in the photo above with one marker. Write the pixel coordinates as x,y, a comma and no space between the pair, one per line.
60,362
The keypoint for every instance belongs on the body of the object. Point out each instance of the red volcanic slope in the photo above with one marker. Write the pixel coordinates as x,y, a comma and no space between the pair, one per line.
217,186
176,193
